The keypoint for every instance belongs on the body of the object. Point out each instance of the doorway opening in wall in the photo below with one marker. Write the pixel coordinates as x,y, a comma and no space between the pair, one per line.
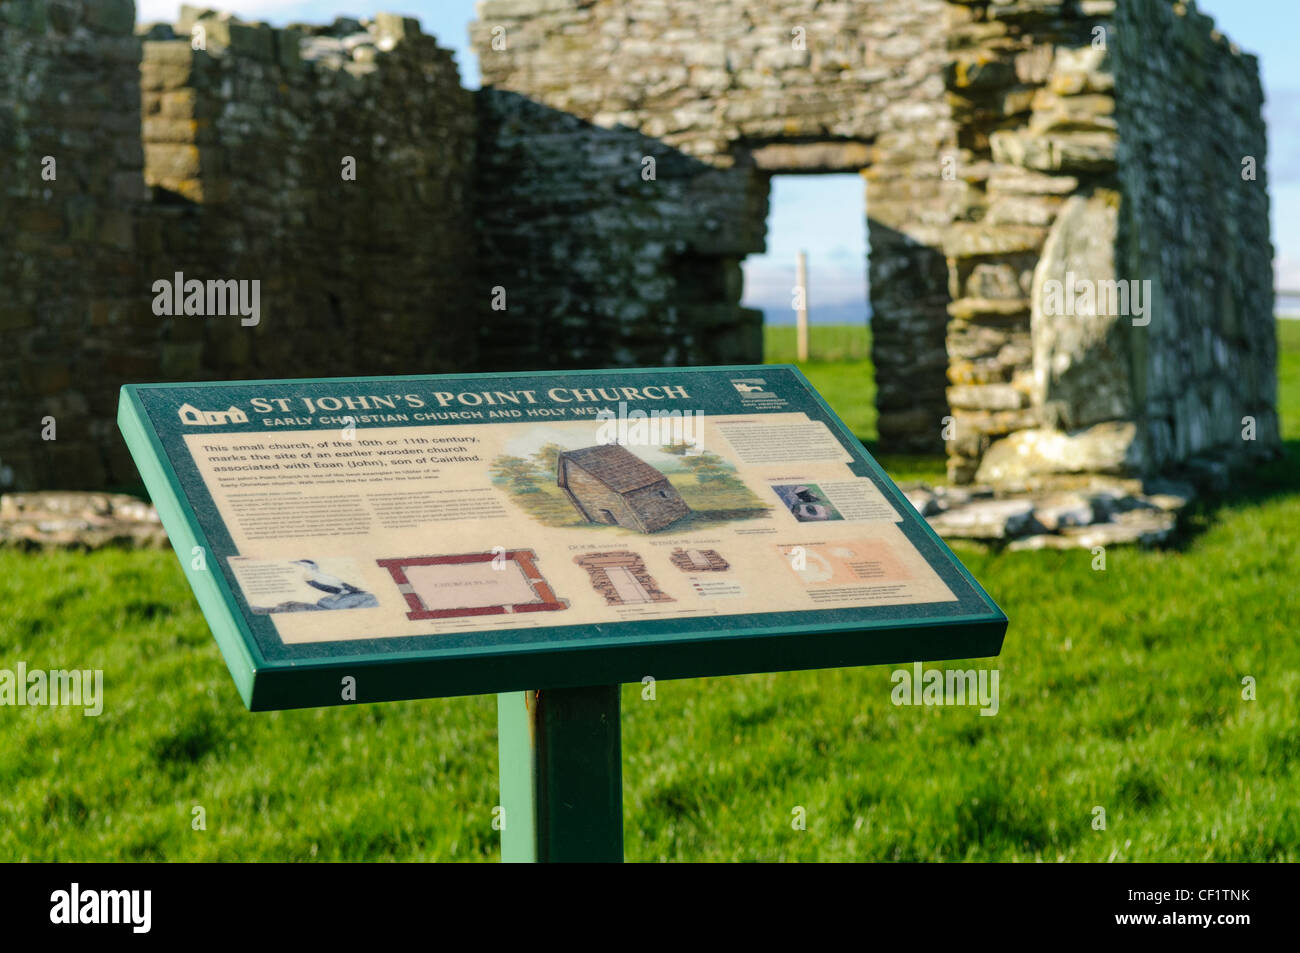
824,217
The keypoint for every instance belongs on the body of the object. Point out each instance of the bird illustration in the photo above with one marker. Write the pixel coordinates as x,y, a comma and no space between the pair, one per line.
323,581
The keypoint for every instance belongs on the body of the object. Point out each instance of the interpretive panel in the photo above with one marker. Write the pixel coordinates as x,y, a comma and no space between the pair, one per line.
422,536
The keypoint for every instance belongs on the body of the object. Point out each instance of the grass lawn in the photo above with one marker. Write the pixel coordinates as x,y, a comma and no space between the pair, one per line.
1120,689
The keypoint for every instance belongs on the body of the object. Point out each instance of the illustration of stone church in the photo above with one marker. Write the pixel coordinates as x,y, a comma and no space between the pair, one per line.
609,484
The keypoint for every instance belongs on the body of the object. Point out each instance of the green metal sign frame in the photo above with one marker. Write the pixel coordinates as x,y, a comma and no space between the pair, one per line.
557,684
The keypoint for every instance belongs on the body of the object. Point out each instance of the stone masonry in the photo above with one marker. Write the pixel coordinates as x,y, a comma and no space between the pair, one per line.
721,95
1102,155
1027,163
1067,213
71,193
247,146
219,163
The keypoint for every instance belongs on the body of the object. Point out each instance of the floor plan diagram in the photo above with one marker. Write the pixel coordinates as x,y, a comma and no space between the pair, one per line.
699,560
621,577
470,584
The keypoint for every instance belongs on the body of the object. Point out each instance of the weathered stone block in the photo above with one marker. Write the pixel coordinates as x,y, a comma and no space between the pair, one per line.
986,397
1078,152
1039,211
970,241
990,520
995,311
1013,179
396,26
1082,356
1104,448
171,162
111,16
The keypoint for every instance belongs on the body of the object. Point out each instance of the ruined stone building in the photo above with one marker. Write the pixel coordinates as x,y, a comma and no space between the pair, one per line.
1068,217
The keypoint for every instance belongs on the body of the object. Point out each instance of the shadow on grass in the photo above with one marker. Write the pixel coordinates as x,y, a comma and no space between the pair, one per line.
1260,484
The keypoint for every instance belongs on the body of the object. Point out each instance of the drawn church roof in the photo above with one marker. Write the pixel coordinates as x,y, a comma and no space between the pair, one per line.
613,465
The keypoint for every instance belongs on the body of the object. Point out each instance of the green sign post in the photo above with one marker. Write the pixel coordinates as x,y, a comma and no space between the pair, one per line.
561,774
546,537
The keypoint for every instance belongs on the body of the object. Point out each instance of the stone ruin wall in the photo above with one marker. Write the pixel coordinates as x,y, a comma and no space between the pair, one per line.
1063,158
70,90
579,92
1108,163
244,148
1033,105
586,264
221,163
1190,110
999,153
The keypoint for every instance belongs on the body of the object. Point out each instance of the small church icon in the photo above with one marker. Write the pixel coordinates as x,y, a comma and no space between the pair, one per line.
192,416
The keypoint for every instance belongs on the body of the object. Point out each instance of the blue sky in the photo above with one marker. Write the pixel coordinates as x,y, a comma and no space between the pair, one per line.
823,214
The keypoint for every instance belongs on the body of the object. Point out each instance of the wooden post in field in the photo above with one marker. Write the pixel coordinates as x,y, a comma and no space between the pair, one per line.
801,314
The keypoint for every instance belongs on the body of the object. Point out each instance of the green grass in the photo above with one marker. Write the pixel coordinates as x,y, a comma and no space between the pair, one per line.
827,344
1119,689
